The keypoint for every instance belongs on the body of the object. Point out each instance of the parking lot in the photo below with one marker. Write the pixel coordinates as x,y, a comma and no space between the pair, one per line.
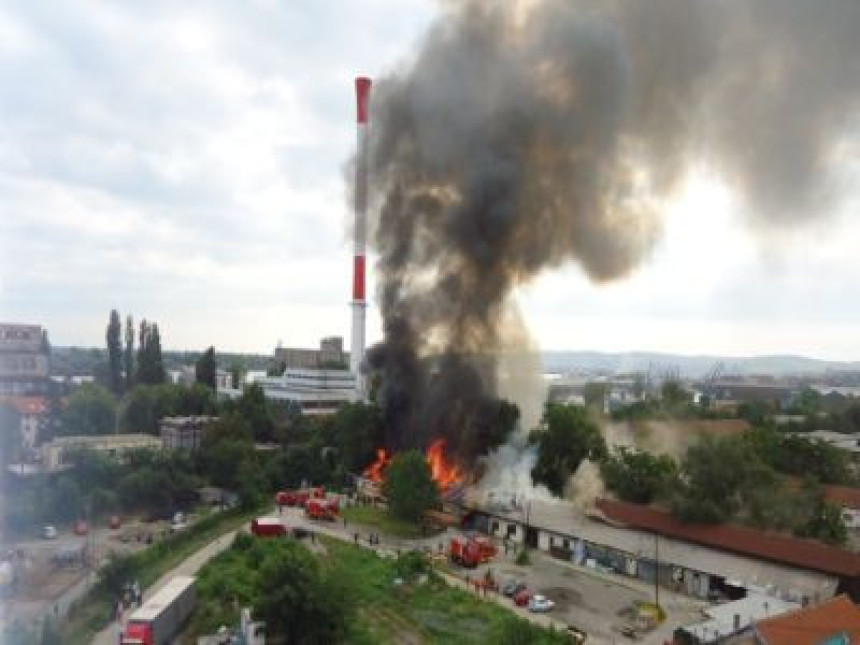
591,601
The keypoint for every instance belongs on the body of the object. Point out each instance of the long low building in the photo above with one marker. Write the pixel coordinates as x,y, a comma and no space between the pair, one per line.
313,391
55,453
705,562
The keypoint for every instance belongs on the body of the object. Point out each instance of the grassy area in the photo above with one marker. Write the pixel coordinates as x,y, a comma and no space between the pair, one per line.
385,602
96,608
382,520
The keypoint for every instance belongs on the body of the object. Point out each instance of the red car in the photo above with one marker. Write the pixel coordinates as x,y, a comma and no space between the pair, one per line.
522,598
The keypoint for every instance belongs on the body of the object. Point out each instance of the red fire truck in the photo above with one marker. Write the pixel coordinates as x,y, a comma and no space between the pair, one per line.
160,618
469,551
322,509
299,497
268,527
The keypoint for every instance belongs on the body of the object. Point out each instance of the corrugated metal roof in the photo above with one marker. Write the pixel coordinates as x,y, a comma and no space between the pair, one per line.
563,519
805,554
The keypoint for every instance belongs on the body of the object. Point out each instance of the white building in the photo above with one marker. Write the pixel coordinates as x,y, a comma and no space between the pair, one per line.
313,391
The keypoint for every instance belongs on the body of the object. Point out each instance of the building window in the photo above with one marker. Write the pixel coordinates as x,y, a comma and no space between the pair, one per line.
512,530
495,527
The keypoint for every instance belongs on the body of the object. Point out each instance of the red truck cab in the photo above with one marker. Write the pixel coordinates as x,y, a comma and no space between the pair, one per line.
137,634
470,551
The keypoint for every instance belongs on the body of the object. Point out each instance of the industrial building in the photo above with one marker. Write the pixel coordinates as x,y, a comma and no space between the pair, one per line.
702,561
184,433
24,360
312,391
55,453
330,355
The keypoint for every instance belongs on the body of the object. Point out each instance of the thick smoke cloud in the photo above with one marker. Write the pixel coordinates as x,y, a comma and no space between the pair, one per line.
528,135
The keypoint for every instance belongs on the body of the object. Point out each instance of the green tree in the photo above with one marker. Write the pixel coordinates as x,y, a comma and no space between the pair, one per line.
357,432
297,599
237,370
119,571
565,437
90,410
409,486
206,369
256,411
145,405
114,348
150,364
639,477
719,476
128,355
673,394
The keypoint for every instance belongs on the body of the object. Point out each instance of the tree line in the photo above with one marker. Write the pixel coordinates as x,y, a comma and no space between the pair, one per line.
762,477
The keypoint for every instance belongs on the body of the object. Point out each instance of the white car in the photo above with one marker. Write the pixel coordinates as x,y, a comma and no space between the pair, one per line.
540,604
49,532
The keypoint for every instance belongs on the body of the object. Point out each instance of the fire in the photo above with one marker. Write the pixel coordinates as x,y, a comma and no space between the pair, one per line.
374,471
444,473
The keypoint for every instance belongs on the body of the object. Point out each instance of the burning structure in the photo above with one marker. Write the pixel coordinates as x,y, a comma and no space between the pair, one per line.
526,135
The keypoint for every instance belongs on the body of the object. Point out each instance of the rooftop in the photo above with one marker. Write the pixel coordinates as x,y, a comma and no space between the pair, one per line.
805,554
813,625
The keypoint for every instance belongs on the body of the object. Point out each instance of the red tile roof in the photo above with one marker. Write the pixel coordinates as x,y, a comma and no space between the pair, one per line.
843,496
812,625
804,554
27,404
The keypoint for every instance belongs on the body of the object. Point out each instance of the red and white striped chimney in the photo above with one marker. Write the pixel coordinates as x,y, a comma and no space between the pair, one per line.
359,304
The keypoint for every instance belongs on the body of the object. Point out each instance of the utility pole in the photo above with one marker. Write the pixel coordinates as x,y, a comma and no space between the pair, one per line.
656,571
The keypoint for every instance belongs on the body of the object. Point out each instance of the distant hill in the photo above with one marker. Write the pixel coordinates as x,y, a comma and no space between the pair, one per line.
689,366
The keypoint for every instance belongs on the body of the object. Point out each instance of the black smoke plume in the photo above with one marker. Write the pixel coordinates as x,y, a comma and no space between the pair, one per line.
525,135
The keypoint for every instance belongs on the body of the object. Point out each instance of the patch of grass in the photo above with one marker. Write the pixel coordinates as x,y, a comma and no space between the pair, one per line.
95,610
431,612
385,522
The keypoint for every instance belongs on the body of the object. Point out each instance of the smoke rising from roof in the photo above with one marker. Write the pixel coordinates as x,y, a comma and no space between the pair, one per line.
528,135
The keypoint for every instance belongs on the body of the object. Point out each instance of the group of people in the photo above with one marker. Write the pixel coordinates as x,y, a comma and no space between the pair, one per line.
372,538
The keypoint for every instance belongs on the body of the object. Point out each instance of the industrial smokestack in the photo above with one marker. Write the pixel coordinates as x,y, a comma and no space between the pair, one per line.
359,304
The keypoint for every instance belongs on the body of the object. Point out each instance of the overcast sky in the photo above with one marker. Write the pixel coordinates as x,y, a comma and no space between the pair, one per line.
184,162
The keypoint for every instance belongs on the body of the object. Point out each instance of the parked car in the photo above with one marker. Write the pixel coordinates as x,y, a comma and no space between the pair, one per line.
540,604
512,587
522,598
49,532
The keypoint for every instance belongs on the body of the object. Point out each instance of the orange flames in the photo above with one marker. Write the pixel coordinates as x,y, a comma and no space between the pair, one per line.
444,473
374,471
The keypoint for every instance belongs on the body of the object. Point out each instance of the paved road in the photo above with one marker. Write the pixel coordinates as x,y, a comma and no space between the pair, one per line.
189,567
585,598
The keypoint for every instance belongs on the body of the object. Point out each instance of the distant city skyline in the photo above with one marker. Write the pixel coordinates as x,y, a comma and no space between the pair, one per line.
186,164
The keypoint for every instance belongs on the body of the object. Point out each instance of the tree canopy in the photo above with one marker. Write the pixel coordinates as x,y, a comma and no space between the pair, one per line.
206,369
565,437
409,486
114,349
89,410
639,477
